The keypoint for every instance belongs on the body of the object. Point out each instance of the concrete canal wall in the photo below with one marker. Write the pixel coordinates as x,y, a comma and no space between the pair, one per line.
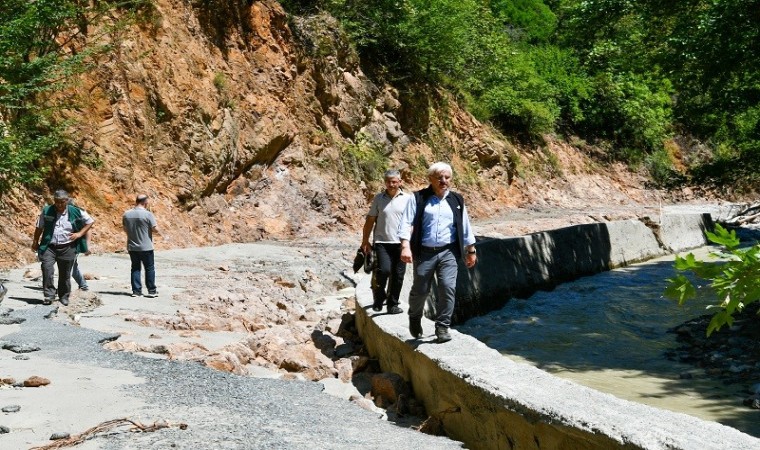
490,402
519,266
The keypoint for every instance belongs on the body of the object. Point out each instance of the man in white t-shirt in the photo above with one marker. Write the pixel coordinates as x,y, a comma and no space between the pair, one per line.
139,224
58,238
383,222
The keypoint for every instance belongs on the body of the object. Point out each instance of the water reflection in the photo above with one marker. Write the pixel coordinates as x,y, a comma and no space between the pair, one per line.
610,332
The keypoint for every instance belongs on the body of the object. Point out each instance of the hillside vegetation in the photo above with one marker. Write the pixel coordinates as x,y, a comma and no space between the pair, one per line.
255,119
672,85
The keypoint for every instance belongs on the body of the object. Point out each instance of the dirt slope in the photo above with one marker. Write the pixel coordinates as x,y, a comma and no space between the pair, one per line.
245,124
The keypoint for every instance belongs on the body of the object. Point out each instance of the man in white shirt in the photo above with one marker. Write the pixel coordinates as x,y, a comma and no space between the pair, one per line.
383,221
435,231
61,227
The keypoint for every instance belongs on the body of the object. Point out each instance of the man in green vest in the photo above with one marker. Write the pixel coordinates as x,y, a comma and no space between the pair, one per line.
61,227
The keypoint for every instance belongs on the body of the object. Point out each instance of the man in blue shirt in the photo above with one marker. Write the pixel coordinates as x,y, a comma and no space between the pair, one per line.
435,231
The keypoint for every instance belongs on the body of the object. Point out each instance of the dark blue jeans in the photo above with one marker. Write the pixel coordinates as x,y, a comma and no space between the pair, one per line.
146,260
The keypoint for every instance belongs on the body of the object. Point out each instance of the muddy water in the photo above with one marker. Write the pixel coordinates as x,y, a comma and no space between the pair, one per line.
610,332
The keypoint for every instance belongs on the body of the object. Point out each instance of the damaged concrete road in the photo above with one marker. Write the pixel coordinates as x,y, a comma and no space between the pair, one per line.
90,385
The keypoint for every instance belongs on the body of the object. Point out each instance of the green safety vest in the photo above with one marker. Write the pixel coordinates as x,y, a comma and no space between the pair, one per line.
77,223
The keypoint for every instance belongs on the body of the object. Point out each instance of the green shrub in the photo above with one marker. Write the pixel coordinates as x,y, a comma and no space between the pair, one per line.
363,160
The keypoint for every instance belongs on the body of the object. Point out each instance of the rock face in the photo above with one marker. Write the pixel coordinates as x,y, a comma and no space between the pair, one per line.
243,123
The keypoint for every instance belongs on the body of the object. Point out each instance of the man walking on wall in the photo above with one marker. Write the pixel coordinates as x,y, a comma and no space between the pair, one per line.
62,227
139,224
435,232
383,222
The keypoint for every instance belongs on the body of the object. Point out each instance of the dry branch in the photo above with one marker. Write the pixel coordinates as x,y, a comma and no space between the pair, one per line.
106,427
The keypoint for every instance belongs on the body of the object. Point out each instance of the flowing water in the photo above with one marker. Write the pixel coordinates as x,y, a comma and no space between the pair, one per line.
610,332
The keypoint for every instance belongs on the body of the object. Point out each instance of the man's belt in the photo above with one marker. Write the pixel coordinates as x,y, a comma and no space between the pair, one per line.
58,246
438,249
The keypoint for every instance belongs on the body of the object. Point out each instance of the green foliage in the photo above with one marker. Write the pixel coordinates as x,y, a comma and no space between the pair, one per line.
364,159
220,81
529,20
660,167
735,277
44,46
704,54
631,110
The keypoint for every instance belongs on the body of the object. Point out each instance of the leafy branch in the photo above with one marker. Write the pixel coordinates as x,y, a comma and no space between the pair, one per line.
734,274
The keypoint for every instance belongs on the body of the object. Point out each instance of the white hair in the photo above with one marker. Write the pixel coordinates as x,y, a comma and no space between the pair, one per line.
439,167
392,173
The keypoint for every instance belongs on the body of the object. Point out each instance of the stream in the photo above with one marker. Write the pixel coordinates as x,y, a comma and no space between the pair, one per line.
610,332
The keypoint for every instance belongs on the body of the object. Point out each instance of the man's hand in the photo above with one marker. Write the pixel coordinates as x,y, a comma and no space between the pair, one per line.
366,247
406,254
470,260
35,246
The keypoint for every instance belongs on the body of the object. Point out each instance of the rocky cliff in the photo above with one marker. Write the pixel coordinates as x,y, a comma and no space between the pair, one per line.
244,123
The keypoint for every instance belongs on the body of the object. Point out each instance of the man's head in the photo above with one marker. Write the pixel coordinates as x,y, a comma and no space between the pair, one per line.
392,181
141,200
439,175
61,199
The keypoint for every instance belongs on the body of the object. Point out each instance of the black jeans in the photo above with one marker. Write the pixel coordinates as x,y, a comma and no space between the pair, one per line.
390,271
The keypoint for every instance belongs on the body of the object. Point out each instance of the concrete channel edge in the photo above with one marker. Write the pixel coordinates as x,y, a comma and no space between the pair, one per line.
490,402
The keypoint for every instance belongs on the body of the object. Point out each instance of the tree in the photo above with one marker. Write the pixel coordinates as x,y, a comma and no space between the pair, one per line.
44,46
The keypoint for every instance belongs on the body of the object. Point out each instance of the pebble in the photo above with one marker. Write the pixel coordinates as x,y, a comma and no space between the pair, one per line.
11,409
58,436
4,429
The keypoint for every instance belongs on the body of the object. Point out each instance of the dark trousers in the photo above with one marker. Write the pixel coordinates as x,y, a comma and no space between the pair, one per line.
144,258
388,277
443,265
64,258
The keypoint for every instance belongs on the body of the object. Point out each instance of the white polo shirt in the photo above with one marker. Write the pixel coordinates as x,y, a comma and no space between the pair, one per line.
388,212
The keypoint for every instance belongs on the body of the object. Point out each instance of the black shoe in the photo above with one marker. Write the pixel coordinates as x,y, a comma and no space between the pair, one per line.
64,301
394,310
377,308
442,334
415,327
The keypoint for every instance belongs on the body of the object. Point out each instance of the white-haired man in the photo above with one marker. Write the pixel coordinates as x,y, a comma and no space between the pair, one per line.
435,232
